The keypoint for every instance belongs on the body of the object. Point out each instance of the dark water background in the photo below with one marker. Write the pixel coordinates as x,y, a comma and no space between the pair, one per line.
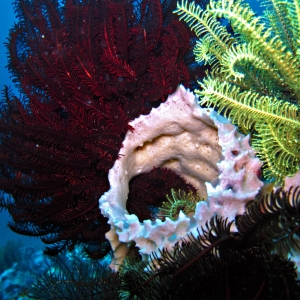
7,18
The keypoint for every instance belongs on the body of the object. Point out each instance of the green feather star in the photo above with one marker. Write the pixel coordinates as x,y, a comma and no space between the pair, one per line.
255,74
179,201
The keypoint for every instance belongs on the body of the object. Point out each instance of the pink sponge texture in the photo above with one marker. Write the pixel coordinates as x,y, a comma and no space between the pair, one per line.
199,145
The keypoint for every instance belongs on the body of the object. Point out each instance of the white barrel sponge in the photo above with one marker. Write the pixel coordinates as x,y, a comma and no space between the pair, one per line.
199,145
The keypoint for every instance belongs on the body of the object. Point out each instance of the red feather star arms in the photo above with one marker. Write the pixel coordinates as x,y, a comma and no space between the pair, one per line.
84,69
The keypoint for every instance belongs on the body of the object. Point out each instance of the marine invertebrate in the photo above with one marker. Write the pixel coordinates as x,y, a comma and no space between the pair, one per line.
255,74
179,201
84,70
147,192
202,147
218,263
75,277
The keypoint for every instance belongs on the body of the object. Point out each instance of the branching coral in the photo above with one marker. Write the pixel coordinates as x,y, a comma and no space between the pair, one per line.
255,74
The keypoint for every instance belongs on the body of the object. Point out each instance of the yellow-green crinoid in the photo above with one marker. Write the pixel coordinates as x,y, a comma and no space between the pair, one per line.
255,74
179,201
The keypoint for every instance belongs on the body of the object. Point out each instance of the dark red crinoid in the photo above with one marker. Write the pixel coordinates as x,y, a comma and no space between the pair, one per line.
85,69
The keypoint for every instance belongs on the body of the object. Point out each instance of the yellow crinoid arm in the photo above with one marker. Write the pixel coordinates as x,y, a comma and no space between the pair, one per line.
244,22
179,201
295,17
246,107
255,74
276,122
279,149
242,55
205,26
277,15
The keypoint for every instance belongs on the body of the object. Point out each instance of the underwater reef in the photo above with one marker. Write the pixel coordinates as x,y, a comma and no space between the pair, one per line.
254,78
162,140
84,70
21,265
219,264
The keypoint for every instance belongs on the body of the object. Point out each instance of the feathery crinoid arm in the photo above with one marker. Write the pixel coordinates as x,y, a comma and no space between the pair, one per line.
179,201
279,148
235,61
276,122
276,16
247,108
295,17
214,41
245,23
255,78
